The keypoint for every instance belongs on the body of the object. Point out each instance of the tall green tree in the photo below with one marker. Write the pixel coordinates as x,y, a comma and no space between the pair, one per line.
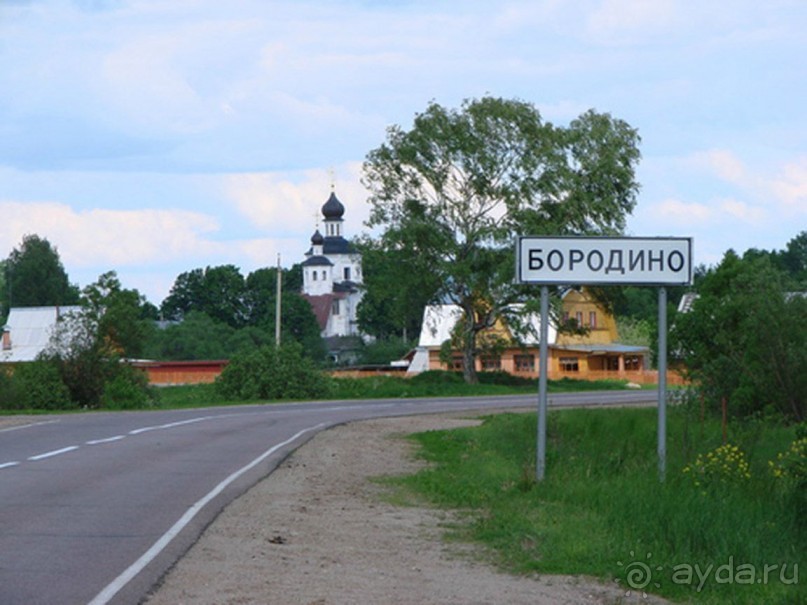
217,291
35,276
398,285
89,345
793,259
744,339
297,320
220,296
456,188
118,314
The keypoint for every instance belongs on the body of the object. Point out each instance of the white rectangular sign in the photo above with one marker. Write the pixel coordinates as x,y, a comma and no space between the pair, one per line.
659,261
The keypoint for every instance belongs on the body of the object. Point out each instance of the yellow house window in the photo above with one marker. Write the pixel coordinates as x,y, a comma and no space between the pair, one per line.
524,363
569,364
491,362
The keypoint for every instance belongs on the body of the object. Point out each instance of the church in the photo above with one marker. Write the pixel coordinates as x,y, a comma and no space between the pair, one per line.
332,280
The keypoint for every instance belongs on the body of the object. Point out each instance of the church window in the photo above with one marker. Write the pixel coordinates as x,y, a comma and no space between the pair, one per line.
347,272
315,275
335,307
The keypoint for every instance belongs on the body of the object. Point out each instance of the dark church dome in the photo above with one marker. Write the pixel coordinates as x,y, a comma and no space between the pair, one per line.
333,208
317,238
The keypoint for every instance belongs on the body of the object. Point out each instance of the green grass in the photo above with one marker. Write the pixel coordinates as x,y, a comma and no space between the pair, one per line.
602,511
451,384
427,384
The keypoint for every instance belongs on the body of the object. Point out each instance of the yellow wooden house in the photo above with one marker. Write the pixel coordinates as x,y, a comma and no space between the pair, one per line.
593,353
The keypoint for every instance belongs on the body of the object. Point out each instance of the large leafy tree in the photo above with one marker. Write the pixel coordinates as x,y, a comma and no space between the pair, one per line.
793,259
455,189
297,320
398,284
217,291
245,305
35,276
88,346
744,339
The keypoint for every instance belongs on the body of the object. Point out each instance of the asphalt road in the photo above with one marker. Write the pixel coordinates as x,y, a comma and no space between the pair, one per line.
94,508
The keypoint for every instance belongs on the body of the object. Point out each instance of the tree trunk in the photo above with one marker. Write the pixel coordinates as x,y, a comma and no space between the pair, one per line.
469,348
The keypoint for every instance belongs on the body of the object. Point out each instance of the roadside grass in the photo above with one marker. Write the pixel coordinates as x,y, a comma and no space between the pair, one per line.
602,511
427,384
451,384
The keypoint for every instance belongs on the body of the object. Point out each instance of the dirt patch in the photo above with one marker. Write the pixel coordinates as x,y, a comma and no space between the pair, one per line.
319,532
9,422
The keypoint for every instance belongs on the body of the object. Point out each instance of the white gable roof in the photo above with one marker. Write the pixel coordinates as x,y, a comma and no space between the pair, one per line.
439,321
30,329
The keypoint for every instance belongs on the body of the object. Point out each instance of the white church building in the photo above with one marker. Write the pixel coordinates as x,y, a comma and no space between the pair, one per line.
332,277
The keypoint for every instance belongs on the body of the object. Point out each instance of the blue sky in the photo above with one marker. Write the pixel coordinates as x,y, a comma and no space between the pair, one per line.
152,137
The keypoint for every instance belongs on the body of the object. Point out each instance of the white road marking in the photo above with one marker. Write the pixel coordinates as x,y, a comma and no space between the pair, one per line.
135,568
170,425
107,440
64,450
7,464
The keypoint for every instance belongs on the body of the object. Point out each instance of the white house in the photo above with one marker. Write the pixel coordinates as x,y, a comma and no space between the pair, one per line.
28,330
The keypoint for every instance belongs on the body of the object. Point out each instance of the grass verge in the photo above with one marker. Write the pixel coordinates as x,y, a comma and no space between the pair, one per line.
427,384
726,535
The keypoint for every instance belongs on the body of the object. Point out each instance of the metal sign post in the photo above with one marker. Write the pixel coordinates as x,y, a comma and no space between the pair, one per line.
639,261
662,383
543,368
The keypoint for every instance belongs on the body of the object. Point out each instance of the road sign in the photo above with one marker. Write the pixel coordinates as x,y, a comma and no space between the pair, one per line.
661,261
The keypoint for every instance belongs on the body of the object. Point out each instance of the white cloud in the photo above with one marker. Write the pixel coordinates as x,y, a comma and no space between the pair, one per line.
790,186
742,211
782,188
109,238
283,203
724,164
614,19
680,213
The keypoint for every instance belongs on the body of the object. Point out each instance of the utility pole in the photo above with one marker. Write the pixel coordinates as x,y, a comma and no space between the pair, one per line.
277,304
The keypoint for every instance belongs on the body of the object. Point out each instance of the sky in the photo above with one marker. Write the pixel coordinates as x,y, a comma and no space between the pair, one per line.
154,137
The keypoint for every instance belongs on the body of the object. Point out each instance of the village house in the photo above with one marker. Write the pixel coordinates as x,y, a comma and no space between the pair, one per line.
28,330
593,354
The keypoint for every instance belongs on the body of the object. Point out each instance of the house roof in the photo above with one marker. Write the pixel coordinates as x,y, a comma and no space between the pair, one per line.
439,321
322,305
30,330
601,349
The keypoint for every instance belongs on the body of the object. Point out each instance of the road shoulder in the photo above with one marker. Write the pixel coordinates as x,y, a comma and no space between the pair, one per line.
318,531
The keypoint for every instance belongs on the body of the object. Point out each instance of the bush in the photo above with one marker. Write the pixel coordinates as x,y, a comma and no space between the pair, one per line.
38,385
6,390
437,377
273,373
127,390
506,379
383,351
